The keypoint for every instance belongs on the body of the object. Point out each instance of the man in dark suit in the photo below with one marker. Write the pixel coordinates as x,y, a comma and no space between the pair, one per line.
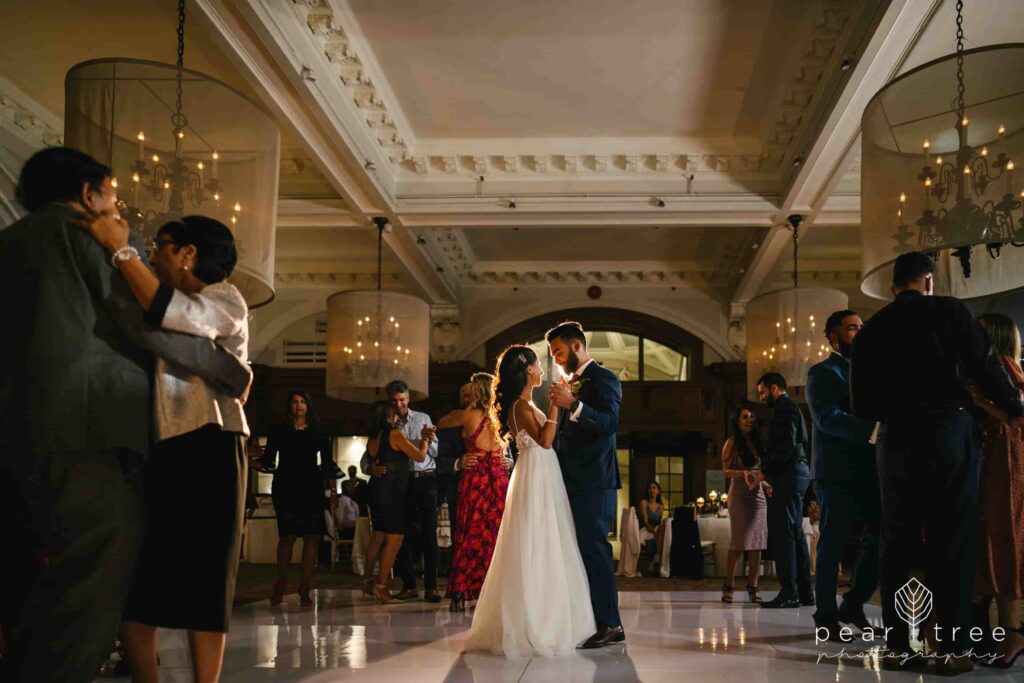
75,410
907,371
588,422
845,480
786,469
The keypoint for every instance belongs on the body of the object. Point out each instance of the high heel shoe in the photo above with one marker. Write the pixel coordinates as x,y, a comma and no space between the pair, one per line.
304,599
368,588
755,596
727,594
381,594
458,603
278,595
1003,662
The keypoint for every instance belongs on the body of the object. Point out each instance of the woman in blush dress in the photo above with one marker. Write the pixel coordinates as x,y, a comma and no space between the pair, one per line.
748,508
1001,507
482,490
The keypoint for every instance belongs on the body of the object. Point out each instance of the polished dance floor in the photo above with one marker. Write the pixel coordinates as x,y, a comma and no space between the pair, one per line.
672,636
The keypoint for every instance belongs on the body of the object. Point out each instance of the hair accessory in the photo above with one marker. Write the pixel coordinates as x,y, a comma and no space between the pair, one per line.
522,359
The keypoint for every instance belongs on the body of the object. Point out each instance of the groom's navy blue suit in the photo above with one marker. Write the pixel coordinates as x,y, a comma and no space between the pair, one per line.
587,454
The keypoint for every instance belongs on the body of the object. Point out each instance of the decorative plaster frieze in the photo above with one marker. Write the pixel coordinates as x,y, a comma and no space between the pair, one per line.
343,279
18,117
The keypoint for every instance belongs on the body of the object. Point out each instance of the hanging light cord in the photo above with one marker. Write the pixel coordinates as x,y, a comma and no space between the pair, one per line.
381,224
794,222
960,108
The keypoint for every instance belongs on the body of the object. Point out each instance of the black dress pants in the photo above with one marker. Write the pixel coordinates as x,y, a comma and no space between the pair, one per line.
420,533
786,531
77,525
928,468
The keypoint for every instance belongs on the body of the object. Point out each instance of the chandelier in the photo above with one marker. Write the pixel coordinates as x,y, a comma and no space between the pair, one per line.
374,337
180,142
785,328
944,168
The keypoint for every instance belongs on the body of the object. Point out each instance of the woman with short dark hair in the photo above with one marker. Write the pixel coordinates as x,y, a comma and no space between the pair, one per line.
299,455
189,560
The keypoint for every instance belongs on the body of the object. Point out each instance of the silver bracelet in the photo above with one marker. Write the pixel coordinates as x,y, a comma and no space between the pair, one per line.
125,253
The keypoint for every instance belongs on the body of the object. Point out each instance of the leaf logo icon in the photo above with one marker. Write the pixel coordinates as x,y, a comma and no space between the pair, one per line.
913,602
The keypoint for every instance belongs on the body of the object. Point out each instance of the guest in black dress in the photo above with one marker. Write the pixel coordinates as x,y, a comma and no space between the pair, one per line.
304,461
390,452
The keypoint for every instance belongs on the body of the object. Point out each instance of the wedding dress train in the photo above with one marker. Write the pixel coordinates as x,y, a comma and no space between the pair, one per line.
535,598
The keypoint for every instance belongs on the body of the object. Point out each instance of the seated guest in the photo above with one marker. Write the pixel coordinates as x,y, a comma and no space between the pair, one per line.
360,491
389,454
651,513
1001,509
346,512
748,506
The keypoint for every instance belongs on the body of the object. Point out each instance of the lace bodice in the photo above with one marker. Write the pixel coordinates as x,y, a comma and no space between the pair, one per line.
523,438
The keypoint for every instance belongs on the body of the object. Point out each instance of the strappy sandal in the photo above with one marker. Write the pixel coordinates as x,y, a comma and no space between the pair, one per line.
368,588
727,594
381,594
458,603
1002,662
755,596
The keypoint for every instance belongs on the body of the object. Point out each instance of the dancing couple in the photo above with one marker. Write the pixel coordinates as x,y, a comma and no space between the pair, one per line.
551,583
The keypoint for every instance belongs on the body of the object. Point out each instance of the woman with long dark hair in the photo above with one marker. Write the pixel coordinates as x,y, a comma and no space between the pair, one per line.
651,512
482,490
1001,509
303,458
535,598
390,452
748,507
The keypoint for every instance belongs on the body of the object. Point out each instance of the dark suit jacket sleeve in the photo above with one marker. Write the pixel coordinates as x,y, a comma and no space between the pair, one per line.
825,394
980,361
600,412
198,356
862,401
783,439
450,447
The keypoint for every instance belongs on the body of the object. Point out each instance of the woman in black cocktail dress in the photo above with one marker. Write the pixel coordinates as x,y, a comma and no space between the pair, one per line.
304,461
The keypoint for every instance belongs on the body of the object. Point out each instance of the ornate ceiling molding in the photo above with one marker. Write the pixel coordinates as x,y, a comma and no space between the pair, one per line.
334,28
325,24
27,120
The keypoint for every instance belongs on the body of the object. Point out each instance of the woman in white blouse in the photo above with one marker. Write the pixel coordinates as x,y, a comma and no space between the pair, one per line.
196,472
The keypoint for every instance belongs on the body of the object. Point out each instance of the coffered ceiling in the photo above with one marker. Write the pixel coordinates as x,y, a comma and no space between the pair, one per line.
653,148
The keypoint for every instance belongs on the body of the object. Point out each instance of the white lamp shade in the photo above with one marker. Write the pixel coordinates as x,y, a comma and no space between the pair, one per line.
783,338
110,101
359,372
921,105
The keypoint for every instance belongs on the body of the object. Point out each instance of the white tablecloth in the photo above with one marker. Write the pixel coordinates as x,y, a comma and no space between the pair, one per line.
359,545
259,546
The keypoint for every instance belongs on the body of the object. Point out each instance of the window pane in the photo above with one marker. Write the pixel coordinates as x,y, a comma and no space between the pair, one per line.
616,351
661,465
663,364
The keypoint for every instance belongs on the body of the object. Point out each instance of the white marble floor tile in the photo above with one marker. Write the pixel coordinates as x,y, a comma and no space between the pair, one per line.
672,637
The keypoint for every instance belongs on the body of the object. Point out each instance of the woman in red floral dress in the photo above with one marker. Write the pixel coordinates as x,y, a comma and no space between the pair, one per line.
482,488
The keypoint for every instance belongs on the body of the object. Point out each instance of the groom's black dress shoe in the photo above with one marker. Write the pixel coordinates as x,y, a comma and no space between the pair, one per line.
778,602
606,635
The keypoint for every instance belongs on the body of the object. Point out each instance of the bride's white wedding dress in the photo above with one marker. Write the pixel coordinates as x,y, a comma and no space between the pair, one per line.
535,598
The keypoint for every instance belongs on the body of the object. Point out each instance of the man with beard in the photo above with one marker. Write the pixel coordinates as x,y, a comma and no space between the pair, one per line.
845,481
785,468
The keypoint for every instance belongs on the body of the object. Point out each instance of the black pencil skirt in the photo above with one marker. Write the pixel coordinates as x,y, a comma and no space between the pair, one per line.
195,495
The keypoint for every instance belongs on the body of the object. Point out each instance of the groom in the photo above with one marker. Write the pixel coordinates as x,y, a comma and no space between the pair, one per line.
588,419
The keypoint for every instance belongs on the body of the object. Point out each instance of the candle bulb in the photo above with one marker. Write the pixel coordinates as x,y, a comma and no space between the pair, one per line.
984,151
199,166
963,122
135,188
1009,177
216,157
156,158
927,155
238,207
142,145
1002,130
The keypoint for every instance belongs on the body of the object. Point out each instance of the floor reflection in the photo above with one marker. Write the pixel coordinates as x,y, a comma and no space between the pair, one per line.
671,637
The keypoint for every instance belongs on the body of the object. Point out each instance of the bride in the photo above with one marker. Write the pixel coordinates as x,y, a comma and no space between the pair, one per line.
535,598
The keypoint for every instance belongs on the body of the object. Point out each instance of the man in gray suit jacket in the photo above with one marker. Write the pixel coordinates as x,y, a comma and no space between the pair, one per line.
75,412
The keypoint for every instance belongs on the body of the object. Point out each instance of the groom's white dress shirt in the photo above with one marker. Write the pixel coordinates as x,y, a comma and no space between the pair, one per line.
579,373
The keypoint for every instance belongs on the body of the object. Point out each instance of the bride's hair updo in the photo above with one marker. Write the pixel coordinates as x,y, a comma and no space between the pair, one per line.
511,378
481,390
